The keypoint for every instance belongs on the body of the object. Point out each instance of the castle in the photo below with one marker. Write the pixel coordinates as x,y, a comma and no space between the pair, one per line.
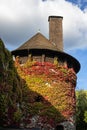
40,49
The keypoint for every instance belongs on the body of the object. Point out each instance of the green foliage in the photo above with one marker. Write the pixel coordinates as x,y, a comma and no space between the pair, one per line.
85,116
81,108
10,88
17,115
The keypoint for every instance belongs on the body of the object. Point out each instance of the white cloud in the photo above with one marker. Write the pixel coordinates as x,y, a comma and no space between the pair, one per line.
20,19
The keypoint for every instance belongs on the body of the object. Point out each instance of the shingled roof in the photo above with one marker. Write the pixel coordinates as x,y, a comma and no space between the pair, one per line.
38,41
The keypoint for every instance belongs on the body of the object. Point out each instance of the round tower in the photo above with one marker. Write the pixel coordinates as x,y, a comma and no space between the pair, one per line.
51,74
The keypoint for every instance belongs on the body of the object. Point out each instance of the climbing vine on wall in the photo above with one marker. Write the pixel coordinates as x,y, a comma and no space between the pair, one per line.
52,83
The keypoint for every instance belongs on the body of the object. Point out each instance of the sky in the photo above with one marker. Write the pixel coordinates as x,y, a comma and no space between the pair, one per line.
21,19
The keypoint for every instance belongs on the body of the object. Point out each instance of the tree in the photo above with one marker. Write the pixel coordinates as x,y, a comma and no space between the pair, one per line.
10,91
81,109
85,116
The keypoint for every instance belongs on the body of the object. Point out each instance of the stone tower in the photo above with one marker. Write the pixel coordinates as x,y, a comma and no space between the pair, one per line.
55,72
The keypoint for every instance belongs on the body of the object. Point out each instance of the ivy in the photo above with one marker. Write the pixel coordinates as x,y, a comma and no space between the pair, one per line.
52,82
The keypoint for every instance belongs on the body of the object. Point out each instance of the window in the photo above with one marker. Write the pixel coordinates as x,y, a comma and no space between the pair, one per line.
59,127
38,98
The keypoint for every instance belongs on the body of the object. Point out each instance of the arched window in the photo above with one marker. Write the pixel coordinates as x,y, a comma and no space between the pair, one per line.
59,127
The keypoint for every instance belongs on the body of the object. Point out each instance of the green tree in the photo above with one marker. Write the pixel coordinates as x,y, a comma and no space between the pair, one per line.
85,116
81,109
10,90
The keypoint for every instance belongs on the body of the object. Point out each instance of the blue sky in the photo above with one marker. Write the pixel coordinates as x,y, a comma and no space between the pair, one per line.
21,19
81,54
80,3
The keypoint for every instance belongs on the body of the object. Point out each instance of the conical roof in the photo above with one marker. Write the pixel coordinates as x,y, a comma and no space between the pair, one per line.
38,41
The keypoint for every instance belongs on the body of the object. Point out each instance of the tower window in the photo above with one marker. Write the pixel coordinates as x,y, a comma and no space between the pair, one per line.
59,127
38,98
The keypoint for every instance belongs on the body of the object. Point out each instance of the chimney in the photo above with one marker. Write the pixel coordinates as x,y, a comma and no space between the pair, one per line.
55,31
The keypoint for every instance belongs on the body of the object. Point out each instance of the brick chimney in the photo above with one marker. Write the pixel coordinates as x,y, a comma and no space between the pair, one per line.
55,31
